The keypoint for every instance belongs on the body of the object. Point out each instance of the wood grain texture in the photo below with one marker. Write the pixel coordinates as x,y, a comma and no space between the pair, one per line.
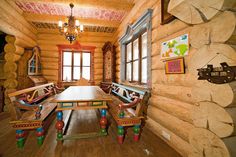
28,90
211,116
207,144
195,12
81,121
82,93
180,145
218,30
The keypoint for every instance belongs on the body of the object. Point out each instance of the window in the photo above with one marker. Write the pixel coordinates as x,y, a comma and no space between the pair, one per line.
76,65
136,51
136,59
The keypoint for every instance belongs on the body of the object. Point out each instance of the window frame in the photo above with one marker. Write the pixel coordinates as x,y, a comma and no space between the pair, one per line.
72,64
137,29
140,58
75,47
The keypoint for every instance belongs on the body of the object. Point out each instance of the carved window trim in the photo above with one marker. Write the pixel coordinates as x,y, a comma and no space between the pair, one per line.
34,63
73,52
75,47
144,23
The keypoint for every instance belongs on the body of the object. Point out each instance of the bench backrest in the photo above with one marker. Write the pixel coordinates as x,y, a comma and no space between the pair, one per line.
27,98
125,93
82,82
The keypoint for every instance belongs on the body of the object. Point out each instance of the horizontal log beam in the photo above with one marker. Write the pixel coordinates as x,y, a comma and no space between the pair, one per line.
11,30
44,31
179,127
174,107
180,145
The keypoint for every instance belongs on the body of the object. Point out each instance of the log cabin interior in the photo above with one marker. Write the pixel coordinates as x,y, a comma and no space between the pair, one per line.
130,78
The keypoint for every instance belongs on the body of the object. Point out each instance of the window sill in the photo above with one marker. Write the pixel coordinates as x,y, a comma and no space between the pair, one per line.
68,81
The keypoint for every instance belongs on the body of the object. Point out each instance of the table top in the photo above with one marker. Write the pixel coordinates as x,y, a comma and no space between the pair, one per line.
82,94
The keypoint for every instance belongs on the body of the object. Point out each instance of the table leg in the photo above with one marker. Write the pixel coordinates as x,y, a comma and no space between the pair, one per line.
59,125
40,135
103,121
20,137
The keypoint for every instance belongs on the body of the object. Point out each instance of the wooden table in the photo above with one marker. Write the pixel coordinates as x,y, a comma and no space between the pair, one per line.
81,98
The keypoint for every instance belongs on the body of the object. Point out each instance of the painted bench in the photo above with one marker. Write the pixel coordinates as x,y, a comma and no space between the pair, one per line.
127,108
30,108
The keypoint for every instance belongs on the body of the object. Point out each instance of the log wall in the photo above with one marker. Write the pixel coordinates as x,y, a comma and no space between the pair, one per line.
12,55
2,62
21,34
22,71
13,23
48,41
176,98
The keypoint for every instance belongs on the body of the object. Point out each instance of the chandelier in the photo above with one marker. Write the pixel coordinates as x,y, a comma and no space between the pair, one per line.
72,28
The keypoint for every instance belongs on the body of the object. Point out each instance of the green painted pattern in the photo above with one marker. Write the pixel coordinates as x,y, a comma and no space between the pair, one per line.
40,140
20,142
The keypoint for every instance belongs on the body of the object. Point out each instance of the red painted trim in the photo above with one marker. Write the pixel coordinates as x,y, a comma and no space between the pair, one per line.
75,47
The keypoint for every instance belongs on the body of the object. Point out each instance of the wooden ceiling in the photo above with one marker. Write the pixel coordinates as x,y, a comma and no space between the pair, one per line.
96,15
87,28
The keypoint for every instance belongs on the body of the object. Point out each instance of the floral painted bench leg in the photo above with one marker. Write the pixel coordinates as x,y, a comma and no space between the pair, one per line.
20,137
136,130
40,136
120,134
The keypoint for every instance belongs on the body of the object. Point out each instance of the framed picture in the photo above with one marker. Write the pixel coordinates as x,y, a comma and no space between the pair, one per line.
175,48
165,16
175,66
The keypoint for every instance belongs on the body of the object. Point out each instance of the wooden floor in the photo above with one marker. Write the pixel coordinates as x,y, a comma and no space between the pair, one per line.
81,122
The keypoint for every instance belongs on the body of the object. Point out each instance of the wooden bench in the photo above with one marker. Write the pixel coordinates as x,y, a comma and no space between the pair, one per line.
127,108
30,108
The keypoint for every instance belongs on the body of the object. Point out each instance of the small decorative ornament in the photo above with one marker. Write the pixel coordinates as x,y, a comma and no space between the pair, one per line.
218,75
175,66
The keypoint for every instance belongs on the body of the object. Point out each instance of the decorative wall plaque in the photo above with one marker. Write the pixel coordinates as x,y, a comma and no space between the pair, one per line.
176,47
175,66
108,62
218,75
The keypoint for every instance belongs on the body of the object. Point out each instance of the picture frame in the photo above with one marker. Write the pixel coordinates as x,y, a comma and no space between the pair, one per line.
175,66
165,16
175,47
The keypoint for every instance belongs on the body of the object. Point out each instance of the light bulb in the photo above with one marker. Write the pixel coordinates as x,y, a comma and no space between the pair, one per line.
60,24
77,23
65,29
81,28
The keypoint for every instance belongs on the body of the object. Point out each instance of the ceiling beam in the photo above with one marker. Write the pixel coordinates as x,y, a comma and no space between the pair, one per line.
13,4
55,18
42,31
106,4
